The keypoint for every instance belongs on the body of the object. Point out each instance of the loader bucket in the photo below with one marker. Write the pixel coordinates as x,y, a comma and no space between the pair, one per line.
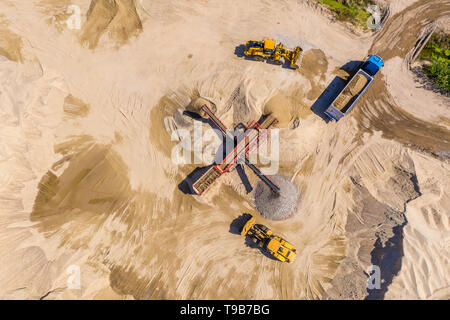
247,226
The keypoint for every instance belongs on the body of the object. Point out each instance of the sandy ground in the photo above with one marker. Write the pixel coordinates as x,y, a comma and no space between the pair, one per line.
85,154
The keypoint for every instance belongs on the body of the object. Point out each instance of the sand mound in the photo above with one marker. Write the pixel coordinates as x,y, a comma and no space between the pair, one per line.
277,207
357,84
198,102
75,106
119,18
314,67
280,107
354,88
288,107
10,45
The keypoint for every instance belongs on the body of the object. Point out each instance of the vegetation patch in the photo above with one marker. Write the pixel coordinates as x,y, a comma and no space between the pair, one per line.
436,53
353,11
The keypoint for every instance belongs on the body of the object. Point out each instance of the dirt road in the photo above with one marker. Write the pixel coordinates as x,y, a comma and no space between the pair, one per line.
378,111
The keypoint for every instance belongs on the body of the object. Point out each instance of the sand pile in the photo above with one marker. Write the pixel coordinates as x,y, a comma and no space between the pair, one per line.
75,106
281,206
119,18
314,67
198,102
357,84
10,45
280,107
354,88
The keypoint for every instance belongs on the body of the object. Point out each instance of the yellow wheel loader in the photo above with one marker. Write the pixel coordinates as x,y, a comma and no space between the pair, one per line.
267,49
263,237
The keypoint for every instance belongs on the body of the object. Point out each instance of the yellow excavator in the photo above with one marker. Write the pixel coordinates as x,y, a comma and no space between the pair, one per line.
267,49
263,237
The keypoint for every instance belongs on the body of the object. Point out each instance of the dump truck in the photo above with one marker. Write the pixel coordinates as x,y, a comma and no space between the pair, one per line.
266,49
354,89
263,237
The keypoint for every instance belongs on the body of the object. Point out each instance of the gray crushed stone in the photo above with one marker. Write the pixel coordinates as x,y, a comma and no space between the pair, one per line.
277,207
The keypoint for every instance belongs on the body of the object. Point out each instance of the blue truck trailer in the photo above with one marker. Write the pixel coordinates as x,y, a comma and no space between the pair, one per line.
354,89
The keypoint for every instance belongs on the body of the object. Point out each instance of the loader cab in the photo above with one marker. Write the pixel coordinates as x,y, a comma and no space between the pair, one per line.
255,44
269,46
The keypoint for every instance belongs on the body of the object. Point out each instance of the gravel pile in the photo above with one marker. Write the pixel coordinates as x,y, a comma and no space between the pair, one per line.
281,206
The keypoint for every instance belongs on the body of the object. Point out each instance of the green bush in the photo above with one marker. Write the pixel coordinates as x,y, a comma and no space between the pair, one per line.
437,47
349,10
437,51
439,71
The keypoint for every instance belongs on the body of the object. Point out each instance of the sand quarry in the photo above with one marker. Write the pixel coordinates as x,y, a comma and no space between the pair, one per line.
86,176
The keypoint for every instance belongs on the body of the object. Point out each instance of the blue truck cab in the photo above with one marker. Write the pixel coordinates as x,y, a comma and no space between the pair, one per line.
372,65
354,89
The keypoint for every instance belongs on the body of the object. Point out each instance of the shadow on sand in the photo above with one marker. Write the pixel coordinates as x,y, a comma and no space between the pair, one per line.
185,186
238,223
241,172
239,50
195,116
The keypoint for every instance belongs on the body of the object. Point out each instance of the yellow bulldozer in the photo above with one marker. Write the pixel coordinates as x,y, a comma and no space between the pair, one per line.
267,49
263,237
